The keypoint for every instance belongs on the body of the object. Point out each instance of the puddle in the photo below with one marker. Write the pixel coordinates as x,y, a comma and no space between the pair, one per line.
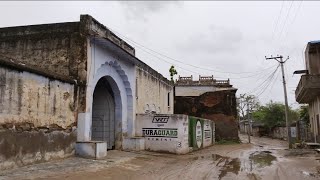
308,174
230,166
253,176
269,152
254,161
245,163
262,159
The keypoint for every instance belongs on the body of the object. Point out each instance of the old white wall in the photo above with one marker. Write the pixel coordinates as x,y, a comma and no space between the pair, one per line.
152,93
30,98
178,144
197,90
314,109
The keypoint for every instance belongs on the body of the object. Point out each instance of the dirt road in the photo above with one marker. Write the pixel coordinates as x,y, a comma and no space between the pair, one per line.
263,159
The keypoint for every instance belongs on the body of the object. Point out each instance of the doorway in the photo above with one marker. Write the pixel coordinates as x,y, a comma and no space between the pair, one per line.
103,113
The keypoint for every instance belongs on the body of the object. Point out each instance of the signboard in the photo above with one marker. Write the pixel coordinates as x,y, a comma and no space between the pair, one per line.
163,132
293,132
160,132
160,119
207,130
207,133
199,134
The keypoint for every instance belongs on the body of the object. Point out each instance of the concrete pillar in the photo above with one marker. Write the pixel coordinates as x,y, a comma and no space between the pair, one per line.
84,127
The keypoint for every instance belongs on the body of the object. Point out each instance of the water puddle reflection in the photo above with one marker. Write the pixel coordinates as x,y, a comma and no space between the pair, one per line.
254,161
262,159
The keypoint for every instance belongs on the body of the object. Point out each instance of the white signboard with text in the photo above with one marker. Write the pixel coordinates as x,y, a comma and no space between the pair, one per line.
207,133
164,132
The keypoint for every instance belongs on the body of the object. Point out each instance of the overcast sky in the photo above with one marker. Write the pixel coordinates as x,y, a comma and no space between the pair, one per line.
224,39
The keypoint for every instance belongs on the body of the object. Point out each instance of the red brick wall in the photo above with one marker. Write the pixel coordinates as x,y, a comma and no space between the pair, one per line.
219,106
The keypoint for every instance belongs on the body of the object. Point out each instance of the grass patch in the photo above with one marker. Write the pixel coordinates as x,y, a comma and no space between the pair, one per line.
226,142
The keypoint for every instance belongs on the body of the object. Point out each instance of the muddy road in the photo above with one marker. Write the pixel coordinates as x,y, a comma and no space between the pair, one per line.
263,159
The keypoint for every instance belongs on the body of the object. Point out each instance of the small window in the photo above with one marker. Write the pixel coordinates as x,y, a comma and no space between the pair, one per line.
168,99
136,88
318,124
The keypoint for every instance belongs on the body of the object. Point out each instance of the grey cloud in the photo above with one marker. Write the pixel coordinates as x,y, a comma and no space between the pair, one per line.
139,10
214,40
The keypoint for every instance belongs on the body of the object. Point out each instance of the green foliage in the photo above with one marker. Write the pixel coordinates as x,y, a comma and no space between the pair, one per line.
172,72
243,101
273,114
304,114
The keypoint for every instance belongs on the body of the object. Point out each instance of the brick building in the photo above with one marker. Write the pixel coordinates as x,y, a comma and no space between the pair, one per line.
211,99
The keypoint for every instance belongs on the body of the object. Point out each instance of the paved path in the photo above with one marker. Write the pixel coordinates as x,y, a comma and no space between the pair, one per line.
263,159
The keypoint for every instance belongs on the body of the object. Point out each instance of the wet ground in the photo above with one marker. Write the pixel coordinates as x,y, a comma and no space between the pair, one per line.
263,159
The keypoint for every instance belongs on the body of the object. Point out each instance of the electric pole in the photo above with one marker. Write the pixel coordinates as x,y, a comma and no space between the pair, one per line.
280,60
249,124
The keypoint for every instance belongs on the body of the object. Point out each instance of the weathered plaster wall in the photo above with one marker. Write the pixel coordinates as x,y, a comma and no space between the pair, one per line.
36,118
312,59
314,115
152,94
197,90
57,48
279,133
219,106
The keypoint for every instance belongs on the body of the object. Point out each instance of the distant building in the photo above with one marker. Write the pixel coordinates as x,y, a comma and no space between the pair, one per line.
308,89
255,128
211,99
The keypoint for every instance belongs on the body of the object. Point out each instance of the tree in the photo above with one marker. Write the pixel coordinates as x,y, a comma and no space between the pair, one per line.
304,114
273,114
244,100
172,72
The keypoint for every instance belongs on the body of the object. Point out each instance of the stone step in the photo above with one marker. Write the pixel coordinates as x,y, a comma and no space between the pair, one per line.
91,149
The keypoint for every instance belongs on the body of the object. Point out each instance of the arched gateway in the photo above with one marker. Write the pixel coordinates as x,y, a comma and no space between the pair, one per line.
111,102
103,113
109,116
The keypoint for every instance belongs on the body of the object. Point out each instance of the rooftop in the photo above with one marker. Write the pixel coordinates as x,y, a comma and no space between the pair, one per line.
87,26
203,81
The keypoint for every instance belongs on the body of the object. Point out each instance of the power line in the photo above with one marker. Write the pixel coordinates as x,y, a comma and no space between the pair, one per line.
277,21
184,63
262,84
273,83
288,27
265,87
254,75
286,18
168,61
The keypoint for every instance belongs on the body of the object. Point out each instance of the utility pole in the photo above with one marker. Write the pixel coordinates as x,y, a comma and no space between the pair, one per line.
280,60
249,127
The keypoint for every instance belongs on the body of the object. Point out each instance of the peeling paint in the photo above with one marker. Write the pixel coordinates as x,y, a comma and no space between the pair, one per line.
35,99
152,94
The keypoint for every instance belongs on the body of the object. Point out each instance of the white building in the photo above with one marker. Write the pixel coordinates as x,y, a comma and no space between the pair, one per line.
308,89
68,82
